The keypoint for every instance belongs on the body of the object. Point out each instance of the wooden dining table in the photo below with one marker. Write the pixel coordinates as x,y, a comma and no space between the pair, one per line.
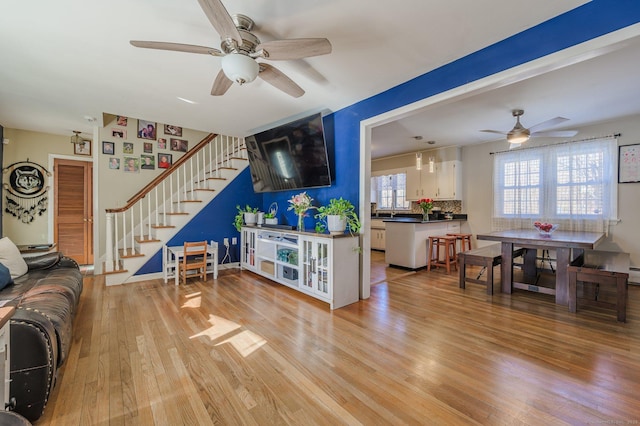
567,244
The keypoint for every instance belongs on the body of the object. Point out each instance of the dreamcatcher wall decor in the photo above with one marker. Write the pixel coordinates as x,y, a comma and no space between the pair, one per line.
26,190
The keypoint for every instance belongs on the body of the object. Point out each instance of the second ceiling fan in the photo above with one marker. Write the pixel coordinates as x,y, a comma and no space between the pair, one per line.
240,48
519,134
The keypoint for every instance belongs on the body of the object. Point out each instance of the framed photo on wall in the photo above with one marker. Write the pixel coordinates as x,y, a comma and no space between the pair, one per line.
119,133
121,120
131,165
629,163
127,148
108,148
147,162
164,160
172,130
179,145
147,147
146,129
83,148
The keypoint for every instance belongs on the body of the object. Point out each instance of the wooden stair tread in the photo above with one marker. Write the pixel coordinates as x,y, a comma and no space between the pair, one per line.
177,213
146,239
117,268
162,226
187,201
216,178
130,253
203,189
228,168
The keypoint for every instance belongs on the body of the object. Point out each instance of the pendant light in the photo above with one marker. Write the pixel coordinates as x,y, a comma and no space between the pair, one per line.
418,161
76,138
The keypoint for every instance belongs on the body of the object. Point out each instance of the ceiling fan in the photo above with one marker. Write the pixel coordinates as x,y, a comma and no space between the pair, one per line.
519,134
240,49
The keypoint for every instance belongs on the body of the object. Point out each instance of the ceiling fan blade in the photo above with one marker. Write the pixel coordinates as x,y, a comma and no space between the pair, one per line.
280,81
494,131
295,48
221,20
547,124
556,134
178,47
221,84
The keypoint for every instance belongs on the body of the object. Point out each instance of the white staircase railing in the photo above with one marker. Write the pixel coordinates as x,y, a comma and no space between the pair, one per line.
167,196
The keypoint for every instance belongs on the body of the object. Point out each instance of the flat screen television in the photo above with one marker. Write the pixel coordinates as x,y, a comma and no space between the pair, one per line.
290,156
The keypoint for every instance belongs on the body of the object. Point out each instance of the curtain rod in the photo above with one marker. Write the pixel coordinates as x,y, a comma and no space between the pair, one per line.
614,135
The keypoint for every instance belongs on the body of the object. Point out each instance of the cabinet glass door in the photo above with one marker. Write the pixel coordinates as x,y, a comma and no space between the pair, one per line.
322,286
316,266
248,251
308,263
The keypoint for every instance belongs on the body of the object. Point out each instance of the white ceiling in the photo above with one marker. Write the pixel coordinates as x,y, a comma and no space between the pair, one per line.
71,59
67,60
602,88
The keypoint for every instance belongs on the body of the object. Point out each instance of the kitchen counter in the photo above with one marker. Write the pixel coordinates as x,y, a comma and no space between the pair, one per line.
406,239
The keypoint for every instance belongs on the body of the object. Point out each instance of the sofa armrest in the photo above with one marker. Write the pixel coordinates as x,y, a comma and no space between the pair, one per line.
44,261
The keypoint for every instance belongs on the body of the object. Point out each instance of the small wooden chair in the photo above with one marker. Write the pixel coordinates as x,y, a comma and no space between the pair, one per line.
194,258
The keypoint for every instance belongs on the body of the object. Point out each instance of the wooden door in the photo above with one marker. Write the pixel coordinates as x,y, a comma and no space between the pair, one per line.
73,209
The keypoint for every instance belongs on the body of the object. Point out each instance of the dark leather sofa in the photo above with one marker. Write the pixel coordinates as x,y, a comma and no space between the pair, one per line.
46,299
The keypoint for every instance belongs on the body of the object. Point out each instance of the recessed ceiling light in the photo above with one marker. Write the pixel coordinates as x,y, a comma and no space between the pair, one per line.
431,142
187,100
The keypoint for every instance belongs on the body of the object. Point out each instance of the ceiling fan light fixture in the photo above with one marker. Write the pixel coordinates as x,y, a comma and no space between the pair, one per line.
240,68
518,136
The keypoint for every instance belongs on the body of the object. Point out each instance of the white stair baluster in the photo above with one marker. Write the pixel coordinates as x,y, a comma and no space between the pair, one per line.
109,243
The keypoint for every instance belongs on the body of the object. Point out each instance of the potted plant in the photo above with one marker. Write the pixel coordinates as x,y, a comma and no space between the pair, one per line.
339,214
270,216
247,215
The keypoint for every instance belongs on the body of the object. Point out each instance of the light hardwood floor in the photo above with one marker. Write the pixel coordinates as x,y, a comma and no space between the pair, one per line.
242,350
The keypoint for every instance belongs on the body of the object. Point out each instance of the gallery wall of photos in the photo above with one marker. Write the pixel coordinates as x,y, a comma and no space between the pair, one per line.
158,145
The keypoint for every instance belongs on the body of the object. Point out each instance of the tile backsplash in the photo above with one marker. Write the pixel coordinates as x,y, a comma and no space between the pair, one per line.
453,206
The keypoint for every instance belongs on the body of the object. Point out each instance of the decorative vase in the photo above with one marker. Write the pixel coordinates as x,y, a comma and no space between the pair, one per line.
336,224
425,216
301,222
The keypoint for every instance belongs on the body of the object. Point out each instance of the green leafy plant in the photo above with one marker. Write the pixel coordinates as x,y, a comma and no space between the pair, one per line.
342,208
238,221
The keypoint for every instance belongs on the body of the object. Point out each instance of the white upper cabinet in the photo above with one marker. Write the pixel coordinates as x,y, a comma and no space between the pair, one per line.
449,180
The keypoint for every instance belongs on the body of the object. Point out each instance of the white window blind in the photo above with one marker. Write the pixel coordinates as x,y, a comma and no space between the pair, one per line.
571,184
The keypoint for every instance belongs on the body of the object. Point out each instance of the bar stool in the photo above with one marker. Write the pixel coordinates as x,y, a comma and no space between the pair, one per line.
464,240
448,244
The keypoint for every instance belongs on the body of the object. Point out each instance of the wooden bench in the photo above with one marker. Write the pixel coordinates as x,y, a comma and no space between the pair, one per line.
600,268
487,257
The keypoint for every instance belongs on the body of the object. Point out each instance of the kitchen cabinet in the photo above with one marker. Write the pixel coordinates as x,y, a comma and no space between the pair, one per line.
377,234
448,180
323,266
421,184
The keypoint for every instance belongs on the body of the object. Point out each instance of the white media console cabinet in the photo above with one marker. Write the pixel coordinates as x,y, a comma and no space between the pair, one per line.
323,266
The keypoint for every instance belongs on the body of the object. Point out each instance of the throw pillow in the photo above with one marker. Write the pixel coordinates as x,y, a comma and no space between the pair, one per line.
11,258
5,276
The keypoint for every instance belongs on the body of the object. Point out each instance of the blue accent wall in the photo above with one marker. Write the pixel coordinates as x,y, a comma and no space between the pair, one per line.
342,128
214,222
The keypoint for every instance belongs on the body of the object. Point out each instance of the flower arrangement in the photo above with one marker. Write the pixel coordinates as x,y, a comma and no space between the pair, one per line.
300,203
425,204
